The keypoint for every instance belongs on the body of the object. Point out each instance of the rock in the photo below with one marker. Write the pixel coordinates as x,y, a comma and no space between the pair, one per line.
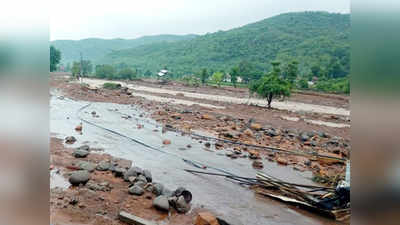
304,137
207,144
136,190
158,189
79,153
255,126
79,177
206,117
254,154
84,147
180,94
282,161
83,165
161,203
206,218
271,132
148,176
166,192
141,178
181,191
104,186
166,142
323,134
79,127
70,140
103,166
181,205
132,172
118,171
258,164
176,116
248,132
188,146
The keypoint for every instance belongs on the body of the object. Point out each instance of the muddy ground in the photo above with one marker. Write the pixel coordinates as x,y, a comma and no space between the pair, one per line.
240,123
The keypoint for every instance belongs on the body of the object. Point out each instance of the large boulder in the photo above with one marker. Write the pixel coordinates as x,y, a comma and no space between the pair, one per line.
161,203
132,172
103,166
83,165
148,176
79,177
80,153
180,204
158,189
136,190
84,147
70,140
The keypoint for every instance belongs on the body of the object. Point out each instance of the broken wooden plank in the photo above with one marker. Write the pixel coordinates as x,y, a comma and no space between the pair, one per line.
132,219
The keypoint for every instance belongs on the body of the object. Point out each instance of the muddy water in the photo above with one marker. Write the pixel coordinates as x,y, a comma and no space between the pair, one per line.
234,203
285,105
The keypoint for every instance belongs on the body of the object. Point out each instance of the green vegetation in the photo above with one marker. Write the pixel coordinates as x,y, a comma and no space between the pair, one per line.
111,86
105,71
203,76
94,48
55,57
87,68
217,78
271,85
310,38
339,86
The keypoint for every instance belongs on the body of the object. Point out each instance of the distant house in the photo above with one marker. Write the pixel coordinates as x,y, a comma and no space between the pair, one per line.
227,78
239,79
162,73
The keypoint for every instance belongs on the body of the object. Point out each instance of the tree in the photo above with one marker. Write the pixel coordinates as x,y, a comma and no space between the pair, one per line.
87,67
55,57
292,71
271,85
105,71
203,76
234,75
127,74
76,69
217,77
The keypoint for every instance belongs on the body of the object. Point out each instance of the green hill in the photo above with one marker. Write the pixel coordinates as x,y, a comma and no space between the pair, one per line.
311,38
96,48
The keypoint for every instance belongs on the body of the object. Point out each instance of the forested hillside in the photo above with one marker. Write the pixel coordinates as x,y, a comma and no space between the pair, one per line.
95,48
319,41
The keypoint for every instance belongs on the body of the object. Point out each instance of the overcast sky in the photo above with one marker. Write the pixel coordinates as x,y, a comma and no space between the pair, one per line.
79,19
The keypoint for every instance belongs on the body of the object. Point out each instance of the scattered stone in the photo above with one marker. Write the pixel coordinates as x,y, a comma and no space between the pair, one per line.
132,172
166,142
304,137
158,189
70,140
79,127
118,171
84,147
181,205
282,161
206,218
176,116
188,146
79,177
161,203
80,153
180,94
248,132
271,132
206,117
254,154
255,126
103,166
219,145
83,165
258,165
207,144
148,176
136,190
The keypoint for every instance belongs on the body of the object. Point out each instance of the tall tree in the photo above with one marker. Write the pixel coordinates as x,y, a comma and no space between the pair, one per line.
55,57
271,85
291,71
217,77
203,76
234,75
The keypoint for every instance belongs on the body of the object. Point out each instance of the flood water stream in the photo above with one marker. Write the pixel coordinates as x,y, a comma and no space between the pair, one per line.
236,204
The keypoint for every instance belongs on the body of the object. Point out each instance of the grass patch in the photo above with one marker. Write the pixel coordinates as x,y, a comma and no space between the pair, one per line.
111,86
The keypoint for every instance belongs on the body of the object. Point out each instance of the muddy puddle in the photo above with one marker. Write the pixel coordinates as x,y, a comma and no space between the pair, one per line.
236,204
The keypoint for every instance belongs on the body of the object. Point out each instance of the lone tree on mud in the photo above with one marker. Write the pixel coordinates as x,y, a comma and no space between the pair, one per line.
271,85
